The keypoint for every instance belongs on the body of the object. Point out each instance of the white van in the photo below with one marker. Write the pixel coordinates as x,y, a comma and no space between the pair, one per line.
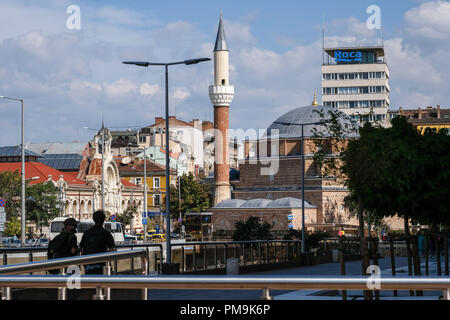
116,228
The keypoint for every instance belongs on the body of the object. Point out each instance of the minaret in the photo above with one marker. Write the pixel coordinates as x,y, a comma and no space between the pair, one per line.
221,95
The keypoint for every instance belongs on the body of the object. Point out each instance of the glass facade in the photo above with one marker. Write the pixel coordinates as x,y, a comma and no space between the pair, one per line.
354,90
354,75
356,104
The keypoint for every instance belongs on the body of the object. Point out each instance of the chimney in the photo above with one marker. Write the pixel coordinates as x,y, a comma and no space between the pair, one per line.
438,107
419,113
197,124
158,120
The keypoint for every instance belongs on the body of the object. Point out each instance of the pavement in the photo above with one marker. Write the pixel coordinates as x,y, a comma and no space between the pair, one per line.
352,268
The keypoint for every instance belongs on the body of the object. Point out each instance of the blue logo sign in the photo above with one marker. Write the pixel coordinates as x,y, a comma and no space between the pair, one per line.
2,203
144,214
144,221
113,217
347,56
290,217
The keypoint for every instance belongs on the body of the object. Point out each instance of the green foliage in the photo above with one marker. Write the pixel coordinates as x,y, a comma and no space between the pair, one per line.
13,227
399,171
41,203
195,196
128,214
10,190
330,140
313,239
252,230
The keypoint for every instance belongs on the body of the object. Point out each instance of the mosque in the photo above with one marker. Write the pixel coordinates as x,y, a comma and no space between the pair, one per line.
275,195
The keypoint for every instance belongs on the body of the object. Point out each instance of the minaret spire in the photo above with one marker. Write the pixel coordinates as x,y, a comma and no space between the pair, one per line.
221,40
221,94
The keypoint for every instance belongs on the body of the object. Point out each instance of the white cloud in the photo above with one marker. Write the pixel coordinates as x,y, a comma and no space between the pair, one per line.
429,20
180,94
147,89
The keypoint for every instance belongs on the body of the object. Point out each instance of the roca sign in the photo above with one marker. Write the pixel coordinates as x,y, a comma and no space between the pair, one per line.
347,56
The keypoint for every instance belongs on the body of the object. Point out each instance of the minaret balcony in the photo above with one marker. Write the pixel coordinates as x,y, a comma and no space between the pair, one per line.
221,95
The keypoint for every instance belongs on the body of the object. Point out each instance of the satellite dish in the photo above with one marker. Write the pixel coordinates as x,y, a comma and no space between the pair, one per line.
126,160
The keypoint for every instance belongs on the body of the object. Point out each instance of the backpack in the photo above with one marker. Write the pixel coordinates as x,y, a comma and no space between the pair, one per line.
57,247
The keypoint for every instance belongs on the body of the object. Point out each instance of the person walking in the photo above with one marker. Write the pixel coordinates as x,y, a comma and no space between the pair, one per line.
96,240
421,244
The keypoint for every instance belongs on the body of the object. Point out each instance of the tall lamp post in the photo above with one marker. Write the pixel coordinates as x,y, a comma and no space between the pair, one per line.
23,216
303,173
166,66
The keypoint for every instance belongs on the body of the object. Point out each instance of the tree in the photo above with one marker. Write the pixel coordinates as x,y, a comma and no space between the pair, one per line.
252,229
313,239
127,216
195,196
41,203
10,190
13,227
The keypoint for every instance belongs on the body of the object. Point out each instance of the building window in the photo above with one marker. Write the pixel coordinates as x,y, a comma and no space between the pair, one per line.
138,181
156,200
156,183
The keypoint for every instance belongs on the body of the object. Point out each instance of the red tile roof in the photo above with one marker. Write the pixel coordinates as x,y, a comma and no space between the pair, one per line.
39,171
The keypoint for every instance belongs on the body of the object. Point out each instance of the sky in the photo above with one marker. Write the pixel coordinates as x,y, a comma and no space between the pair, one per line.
71,78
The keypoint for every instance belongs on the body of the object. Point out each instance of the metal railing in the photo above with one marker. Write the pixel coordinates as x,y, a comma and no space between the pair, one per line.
213,255
5,252
62,263
265,284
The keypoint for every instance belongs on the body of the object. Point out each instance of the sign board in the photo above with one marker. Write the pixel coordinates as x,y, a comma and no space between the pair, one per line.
291,225
113,225
113,217
144,214
144,221
2,215
347,56
2,227
290,217
2,202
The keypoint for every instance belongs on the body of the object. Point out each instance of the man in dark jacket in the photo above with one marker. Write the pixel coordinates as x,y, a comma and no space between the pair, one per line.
96,240
64,244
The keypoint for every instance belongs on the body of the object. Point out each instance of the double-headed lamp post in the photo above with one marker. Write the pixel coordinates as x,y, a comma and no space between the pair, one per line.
23,215
303,173
166,66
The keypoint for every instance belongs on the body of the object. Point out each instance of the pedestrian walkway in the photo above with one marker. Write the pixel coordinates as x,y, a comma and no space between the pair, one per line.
353,268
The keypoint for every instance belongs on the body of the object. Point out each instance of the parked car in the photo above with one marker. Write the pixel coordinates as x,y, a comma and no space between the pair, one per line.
158,237
131,239
196,235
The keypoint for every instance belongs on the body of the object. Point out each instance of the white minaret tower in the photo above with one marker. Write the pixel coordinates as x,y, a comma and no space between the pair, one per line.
221,95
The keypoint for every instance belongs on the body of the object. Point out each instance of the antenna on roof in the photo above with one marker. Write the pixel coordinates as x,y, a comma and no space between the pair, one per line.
323,37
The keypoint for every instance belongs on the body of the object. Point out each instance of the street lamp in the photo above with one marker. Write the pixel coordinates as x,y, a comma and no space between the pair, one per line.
166,66
23,216
303,173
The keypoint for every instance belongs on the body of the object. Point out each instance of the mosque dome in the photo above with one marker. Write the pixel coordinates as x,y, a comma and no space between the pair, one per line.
287,124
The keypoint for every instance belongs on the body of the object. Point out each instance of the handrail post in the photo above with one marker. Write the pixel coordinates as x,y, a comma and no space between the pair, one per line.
205,248
6,293
183,262
446,294
266,294
145,272
107,271
98,294
62,292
